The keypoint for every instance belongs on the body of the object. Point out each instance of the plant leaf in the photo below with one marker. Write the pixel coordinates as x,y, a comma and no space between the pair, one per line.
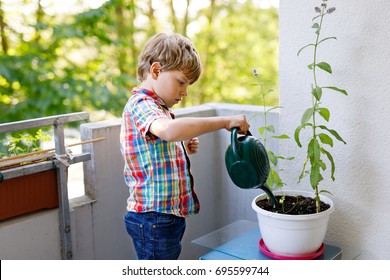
303,171
324,66
333,132
272,158
315,25
324,112
283,136
289,158
333,167
314,151
322,165
307,115
274,180
296,135
337,89
315,176
325,139
328,38
325,191
273,108
269,128
314,18
298,131
261,130
317,92
301,49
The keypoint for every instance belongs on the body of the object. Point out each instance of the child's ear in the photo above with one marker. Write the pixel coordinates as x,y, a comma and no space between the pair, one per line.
155,69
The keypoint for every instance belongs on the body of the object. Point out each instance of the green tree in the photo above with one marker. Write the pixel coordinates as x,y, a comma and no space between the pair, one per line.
52,64
237,38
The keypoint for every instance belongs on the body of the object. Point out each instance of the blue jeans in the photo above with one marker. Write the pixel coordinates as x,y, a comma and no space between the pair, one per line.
156,236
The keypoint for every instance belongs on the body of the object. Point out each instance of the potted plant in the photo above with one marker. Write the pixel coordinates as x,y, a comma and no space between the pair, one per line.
295,232
267,132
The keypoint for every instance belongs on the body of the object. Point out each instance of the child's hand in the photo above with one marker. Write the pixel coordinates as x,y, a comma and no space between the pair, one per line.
240,122
192,145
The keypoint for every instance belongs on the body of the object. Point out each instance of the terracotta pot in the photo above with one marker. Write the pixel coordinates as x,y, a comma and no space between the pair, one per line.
28,193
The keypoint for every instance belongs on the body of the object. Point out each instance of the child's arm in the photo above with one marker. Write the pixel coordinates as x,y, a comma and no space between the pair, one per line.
186,128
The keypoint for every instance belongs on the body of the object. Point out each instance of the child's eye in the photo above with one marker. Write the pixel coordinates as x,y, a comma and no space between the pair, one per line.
181,83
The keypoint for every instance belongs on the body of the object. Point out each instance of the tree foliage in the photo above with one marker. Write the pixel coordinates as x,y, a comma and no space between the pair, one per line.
58,63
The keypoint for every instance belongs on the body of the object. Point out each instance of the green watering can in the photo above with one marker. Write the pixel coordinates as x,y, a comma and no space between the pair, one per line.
247,163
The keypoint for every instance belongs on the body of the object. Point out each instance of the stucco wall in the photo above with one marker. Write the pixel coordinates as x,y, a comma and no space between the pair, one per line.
359,59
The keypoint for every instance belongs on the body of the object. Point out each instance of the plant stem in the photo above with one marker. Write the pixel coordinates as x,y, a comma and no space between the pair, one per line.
264,111
265,116
315,101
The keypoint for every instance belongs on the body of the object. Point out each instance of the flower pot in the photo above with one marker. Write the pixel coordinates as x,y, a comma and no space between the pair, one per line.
293,235
28,193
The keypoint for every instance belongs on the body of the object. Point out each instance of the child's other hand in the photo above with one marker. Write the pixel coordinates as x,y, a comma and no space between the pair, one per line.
192,145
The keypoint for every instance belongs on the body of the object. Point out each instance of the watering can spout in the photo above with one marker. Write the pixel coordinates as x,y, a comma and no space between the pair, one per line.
269,193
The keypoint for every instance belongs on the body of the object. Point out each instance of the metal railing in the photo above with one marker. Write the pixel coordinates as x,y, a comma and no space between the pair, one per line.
61,162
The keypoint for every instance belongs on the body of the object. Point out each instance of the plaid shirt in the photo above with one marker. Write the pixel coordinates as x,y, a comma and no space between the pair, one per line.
156,171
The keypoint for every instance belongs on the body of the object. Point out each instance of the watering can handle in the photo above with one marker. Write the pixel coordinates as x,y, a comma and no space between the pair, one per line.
235,143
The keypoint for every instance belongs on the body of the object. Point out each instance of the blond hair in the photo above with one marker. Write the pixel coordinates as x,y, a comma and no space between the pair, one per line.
173,52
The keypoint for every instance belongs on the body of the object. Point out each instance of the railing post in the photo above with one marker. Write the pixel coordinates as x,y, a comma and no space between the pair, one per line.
62,179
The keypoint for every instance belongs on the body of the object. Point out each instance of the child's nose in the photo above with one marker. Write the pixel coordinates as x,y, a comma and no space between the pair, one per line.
184,92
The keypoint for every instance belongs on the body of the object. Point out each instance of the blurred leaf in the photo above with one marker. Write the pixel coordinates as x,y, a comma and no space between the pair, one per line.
325,66
307,115
337,89
324,112
325,139
317,92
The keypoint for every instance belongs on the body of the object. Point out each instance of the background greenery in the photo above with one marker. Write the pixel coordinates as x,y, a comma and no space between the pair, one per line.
54,63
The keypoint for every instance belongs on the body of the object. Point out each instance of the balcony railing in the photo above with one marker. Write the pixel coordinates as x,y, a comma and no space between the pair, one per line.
96,223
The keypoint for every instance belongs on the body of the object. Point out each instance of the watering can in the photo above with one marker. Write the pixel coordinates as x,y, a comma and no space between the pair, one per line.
247,163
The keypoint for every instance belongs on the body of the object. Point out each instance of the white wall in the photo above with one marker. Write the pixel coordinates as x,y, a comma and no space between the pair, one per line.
360,62
33,236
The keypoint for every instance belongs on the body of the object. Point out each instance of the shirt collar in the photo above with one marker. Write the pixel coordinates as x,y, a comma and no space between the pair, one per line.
152,95
156,98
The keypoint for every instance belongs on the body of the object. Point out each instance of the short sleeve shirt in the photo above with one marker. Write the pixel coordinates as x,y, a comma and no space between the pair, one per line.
157,172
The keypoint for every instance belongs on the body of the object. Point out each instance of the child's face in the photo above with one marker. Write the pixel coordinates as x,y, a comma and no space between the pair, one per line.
171,86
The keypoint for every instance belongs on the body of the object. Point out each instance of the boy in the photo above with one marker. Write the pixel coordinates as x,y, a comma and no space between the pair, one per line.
155,147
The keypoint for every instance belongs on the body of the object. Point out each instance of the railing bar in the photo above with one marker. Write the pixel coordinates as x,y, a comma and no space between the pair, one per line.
45,121
40,167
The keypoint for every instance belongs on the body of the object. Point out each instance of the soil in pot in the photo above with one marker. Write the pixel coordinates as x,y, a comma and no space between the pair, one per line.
293,205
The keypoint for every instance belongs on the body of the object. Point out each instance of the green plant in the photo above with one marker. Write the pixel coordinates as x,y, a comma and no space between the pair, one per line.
26,143
267,131
321,135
